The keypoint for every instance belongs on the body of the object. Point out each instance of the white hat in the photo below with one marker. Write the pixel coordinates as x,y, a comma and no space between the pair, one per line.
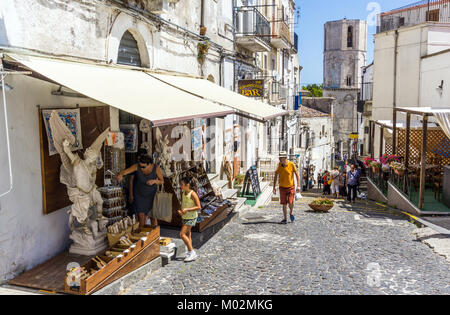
283,154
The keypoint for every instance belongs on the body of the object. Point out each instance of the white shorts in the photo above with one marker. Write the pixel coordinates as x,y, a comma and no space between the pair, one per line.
335,187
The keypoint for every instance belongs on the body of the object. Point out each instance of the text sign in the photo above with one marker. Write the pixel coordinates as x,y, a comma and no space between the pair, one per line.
251,88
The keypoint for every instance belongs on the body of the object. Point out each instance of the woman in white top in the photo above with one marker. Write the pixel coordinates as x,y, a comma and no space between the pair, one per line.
335,181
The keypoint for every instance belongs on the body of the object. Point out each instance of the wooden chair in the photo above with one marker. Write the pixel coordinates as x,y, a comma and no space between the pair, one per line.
437,185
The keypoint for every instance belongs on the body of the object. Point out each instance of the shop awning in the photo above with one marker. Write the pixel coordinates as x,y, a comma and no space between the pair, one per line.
245,106
127,89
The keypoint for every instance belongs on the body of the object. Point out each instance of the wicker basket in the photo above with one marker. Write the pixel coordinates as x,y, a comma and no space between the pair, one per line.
321,208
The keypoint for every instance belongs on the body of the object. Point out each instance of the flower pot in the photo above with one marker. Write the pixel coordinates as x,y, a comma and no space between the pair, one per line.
375,169
203,30
321,208
399,172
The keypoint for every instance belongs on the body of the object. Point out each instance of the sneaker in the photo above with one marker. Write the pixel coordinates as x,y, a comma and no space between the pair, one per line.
292,218
283,222
191,256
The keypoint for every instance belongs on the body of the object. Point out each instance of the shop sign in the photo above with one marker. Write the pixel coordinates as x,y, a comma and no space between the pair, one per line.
251,88
354,136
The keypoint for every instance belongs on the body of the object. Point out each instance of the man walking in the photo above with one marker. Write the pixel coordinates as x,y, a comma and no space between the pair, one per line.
352,183
286,170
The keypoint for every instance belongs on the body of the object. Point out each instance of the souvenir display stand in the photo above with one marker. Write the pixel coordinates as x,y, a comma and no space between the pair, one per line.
103,269
213,207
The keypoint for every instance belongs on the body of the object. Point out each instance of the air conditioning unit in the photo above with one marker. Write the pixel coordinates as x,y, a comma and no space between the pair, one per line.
159,6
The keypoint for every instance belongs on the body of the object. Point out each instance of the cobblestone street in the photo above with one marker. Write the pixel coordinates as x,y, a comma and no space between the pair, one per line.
360,249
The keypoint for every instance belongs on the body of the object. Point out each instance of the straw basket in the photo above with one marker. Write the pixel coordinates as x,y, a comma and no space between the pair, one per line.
321,208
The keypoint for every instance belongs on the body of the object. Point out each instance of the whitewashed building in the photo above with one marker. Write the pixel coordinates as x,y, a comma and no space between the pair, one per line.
316,139
161,35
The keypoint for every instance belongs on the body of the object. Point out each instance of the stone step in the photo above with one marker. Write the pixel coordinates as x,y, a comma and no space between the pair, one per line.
266,195
213,177
223,184
240,203
229,193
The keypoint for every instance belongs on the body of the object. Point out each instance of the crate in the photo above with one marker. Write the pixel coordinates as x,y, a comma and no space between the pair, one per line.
141,252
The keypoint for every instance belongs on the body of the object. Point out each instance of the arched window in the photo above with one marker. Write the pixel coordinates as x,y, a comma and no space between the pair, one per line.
129,51
350,36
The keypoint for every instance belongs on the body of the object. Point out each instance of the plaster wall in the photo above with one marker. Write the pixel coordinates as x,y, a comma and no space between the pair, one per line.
435,70
27,236
416,75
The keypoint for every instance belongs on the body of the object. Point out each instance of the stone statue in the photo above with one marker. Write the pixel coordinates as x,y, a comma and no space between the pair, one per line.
86,221
164,152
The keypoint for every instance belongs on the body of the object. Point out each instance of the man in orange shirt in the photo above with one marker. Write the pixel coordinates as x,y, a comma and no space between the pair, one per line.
286,170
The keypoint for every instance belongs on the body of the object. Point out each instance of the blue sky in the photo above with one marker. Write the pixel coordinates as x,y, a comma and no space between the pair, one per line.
314,14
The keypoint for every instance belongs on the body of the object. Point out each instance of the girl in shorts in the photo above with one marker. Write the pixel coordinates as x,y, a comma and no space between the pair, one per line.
190,204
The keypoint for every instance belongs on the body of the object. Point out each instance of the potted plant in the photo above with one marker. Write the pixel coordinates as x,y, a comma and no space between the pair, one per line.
321,204
387,159
399,168
368,160
375,166
203,48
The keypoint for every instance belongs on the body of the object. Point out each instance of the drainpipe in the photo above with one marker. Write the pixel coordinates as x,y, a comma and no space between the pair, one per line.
202,13
8,145
395,69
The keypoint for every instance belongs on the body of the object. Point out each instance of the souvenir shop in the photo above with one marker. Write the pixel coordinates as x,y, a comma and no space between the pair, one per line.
89,141
103,116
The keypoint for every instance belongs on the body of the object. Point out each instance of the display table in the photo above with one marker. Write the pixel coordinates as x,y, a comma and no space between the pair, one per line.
446,187
214,209
52,275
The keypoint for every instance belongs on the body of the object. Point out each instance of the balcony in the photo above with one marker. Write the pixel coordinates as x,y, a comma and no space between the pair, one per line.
294,48
279,92
281,36
252,29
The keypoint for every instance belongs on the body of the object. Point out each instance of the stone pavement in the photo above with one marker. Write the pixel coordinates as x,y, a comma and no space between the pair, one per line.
354,249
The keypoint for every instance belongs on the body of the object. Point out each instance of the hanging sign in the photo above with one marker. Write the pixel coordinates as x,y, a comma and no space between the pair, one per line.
251,88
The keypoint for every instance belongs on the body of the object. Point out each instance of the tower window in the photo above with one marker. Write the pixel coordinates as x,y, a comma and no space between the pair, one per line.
349,81
350,36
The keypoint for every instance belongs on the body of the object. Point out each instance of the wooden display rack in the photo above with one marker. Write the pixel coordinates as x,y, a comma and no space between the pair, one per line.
176,205
133,257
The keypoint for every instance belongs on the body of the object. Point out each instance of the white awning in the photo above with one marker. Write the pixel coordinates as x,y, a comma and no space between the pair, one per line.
442,115
131,90
204,88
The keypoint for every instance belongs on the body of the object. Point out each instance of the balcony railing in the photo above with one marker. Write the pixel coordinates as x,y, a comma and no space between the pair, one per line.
413,14
296,41
250,22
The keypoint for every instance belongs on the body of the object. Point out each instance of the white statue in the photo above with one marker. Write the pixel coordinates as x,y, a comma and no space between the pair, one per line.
79,176
164,152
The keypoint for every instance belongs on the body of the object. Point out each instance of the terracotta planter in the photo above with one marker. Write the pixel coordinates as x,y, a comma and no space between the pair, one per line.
400,172
321,208
203,30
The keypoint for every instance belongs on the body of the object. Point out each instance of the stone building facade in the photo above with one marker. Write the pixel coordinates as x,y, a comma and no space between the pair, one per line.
158,35
345,47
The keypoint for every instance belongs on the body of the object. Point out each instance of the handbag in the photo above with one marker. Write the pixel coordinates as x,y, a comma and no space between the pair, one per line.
162,205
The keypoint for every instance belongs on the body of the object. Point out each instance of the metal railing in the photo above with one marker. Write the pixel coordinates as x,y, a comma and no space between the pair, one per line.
413,14
295,42
380,179
249,21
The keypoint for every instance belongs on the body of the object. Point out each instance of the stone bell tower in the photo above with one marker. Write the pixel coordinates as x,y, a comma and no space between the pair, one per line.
345,49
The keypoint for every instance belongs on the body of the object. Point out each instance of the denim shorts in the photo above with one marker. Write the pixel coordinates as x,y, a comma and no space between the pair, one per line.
189,222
